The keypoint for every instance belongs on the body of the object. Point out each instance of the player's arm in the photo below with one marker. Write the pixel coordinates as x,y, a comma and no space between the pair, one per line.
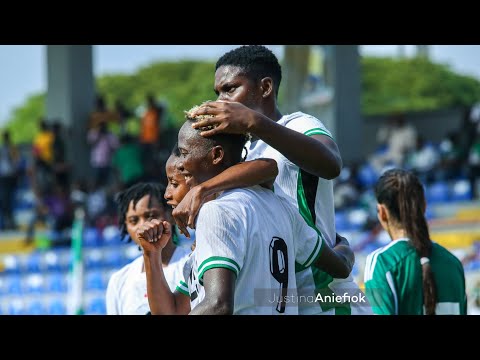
219,284
316,154
342,247
332,262
380,287
153,236
257,172
311,249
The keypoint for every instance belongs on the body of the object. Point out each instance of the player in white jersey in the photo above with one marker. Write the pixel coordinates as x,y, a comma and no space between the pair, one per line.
249,243
127,288
247,80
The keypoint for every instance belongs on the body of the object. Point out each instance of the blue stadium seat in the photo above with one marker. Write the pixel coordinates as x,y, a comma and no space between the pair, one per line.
341,221
57,307
111,236
34,262
93,258
34,284
52,261
91,237
36,308
438,192
96,307
94,281
12,264
57,283
367,177
16,307
13,285
461,191
357,219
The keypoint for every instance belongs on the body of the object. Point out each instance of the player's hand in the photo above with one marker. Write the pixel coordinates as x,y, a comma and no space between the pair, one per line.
340,240
154,235
187,210
229,117
343,248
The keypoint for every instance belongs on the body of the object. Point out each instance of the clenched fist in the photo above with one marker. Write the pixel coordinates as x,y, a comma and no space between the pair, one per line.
154,235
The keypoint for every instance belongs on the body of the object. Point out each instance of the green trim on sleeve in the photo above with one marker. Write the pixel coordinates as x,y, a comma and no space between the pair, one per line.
219,259
317,131
215,266
217,262
182,288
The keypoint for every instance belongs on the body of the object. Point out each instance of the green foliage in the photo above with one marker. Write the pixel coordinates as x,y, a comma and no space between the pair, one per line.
416,84
388,85
180,85
23,124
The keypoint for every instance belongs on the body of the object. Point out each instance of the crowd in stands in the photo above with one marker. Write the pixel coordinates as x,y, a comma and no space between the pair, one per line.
455,158
119,157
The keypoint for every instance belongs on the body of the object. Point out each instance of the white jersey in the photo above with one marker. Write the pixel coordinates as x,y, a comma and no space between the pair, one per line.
127,288
251,232
313,197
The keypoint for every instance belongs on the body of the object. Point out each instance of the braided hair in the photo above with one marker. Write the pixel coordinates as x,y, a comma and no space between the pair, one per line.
403,194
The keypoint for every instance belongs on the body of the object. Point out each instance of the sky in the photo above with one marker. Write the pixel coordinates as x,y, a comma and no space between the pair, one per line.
23,68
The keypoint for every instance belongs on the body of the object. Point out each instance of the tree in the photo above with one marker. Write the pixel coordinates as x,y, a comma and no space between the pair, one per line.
23,124
388,85
396,85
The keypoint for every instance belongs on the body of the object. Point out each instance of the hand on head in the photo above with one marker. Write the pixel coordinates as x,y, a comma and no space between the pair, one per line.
223,117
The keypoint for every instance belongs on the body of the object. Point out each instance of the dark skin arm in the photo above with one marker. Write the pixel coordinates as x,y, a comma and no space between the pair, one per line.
317,154
154,236
244,174
219,284
337,262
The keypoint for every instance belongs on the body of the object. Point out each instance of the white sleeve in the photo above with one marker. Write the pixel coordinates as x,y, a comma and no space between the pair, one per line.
308,125
308,242
220,239
111,297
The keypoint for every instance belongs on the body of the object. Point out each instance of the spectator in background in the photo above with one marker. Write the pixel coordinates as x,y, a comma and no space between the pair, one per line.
96,203
412,275
423,160
122,115
60,165
101,114
474,166
150,123
399,138
9,166
451,157
128,161
150,134
127,288
43,158
103,144
54,208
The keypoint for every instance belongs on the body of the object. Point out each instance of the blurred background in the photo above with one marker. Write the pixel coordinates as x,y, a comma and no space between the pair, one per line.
414,106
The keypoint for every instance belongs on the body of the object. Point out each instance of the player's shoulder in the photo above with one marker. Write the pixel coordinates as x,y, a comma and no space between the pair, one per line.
298,118
442,252
387,257
235,197
305,123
